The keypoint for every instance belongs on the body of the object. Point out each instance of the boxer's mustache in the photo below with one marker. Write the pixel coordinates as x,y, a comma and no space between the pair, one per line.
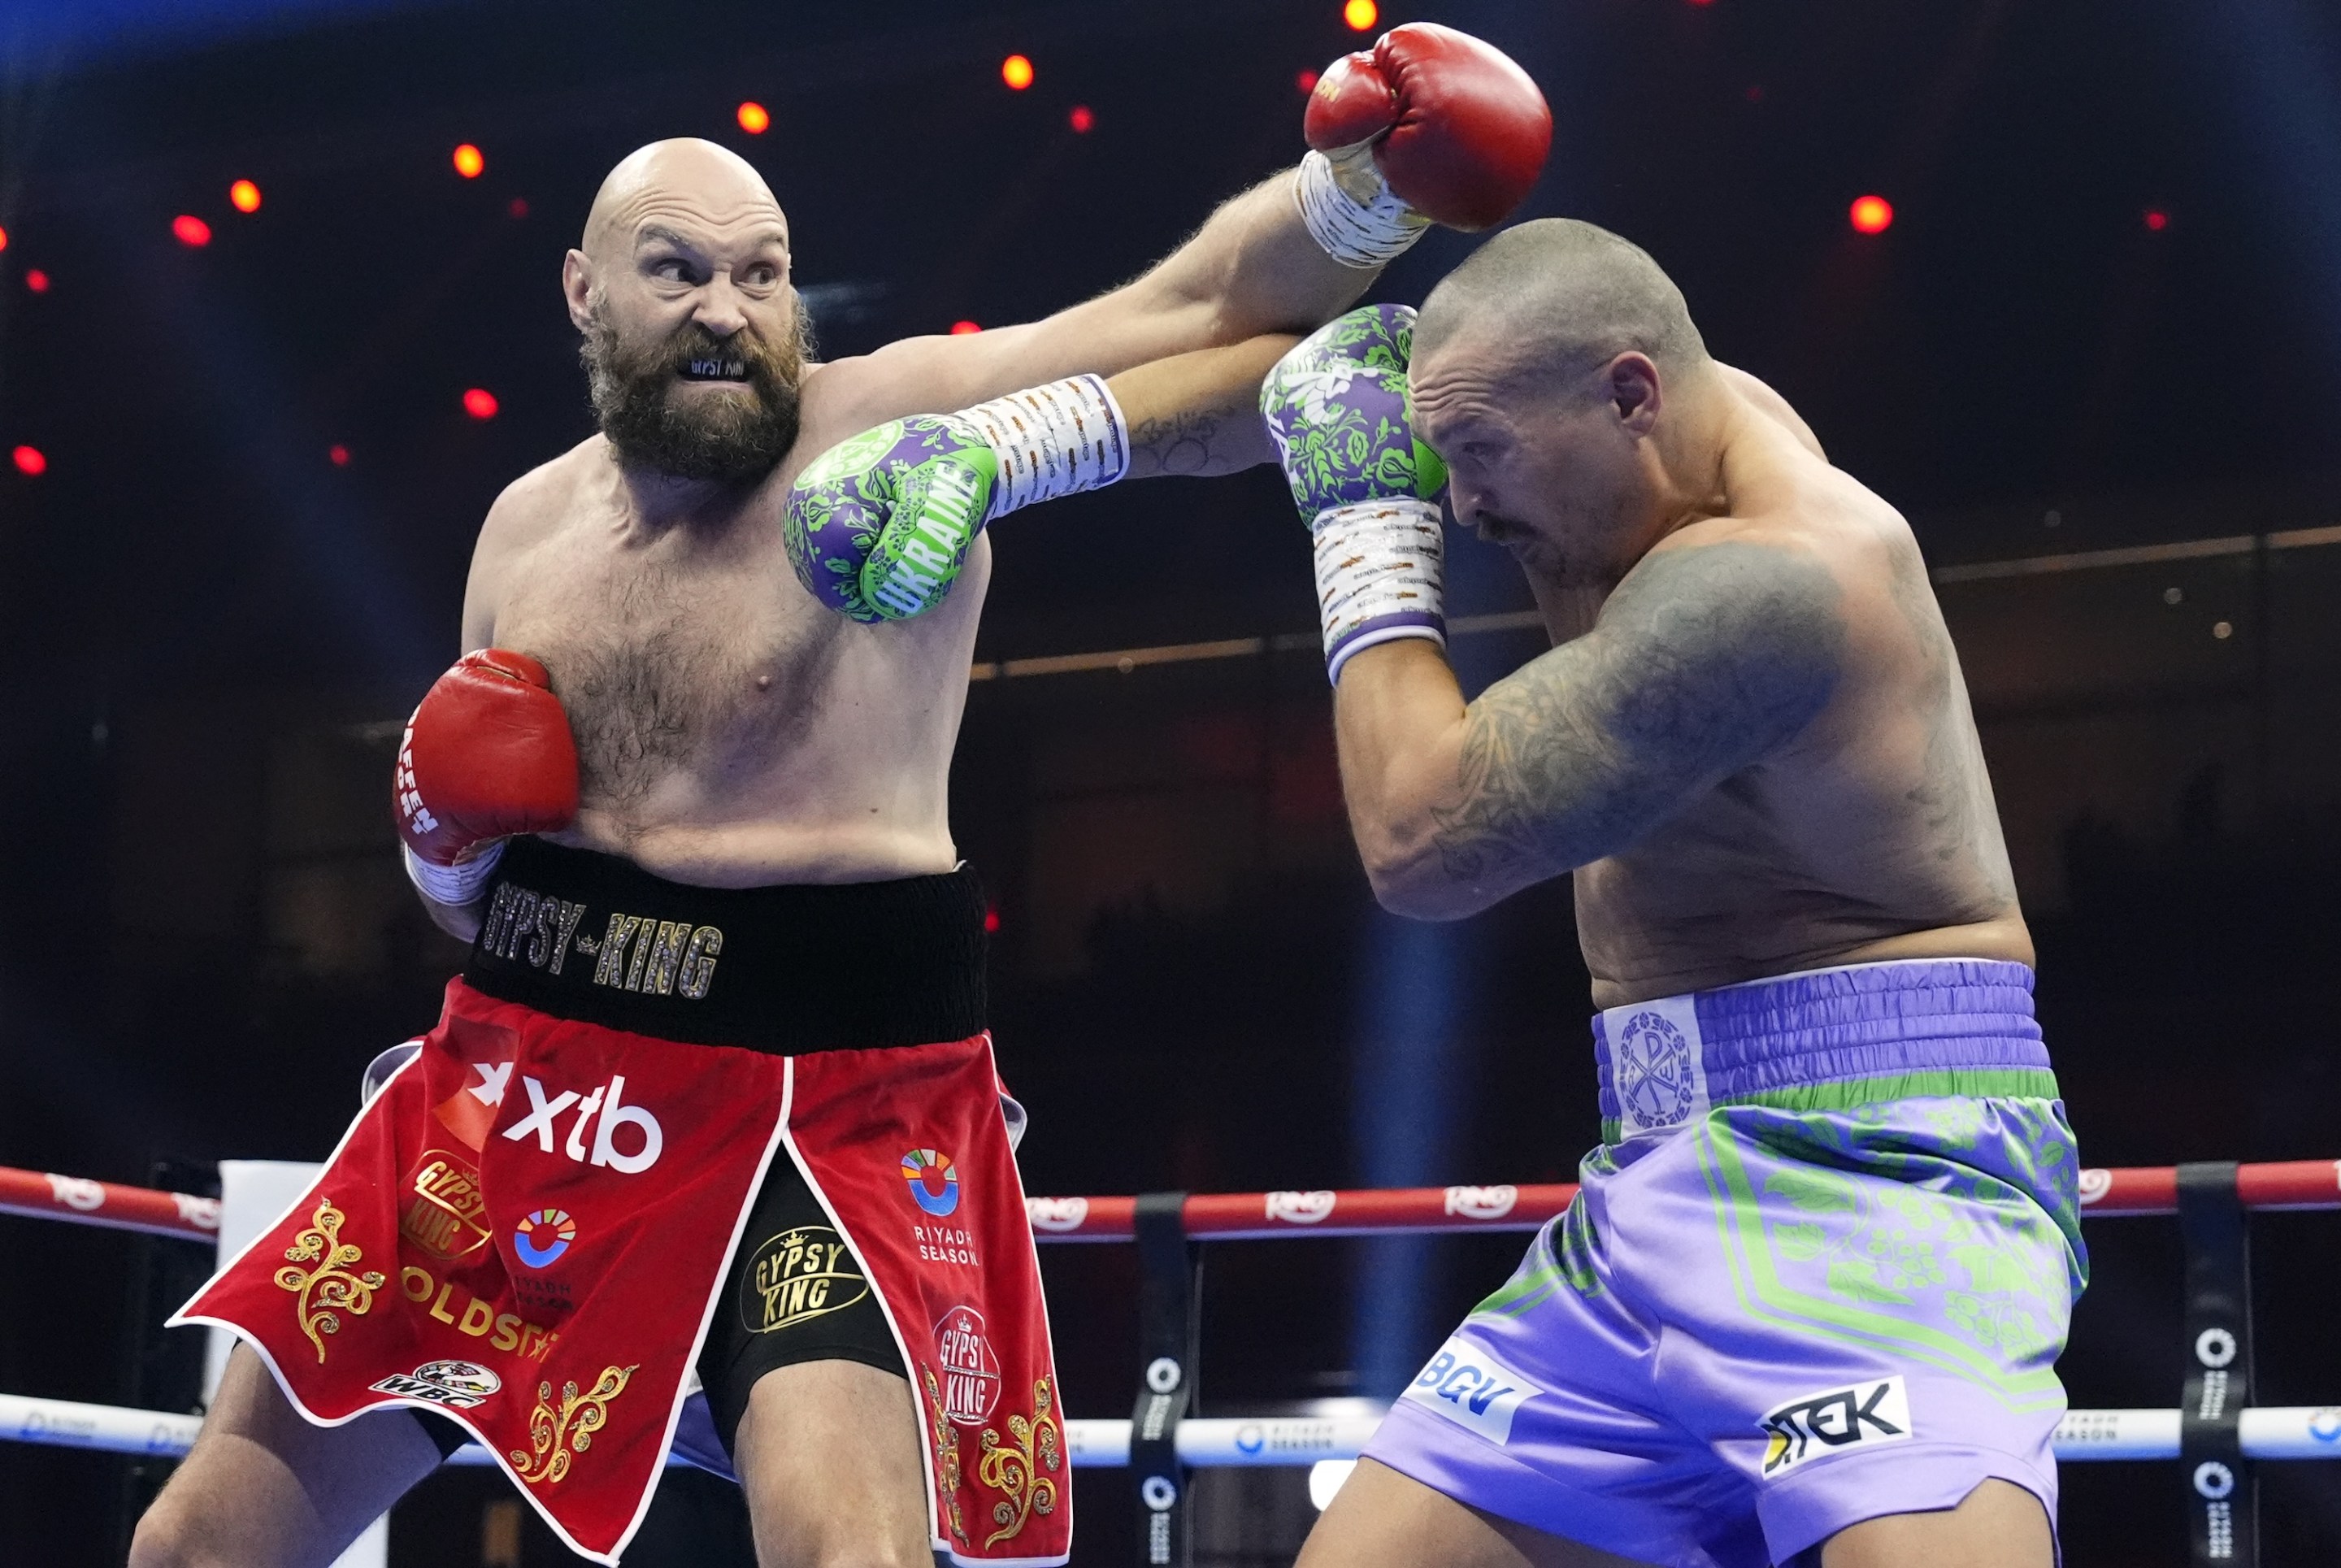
1497,530
694,354
652,425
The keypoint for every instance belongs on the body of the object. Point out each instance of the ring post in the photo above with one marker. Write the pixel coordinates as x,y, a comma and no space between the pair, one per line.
164,1370
1169,1278
2222,1489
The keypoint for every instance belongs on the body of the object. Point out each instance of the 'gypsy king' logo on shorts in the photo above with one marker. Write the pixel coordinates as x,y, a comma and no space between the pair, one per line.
544,1236
971,1373
445,1214
800,1274
634,952
933,1180
458,1384
1654,1072
1814,1424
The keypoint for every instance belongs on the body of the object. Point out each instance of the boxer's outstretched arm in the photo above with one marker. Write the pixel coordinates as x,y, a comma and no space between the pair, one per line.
1708,658
1198,412
1251,269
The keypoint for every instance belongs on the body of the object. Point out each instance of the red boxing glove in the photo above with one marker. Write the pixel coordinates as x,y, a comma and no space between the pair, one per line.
488,754
1456,130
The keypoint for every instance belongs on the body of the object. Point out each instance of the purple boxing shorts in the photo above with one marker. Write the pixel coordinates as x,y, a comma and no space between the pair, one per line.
1820,1271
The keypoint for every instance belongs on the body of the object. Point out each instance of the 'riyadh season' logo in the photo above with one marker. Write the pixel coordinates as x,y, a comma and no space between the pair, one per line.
544,1236
933,1180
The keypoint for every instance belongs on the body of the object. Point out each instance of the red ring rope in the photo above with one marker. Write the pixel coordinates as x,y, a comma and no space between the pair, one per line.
88,1202
1232,1216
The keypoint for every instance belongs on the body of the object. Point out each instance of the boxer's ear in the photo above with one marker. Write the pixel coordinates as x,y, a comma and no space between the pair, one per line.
1632,386
577,288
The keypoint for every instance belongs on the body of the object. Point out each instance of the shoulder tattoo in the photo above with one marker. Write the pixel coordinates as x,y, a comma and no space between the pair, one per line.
1705,660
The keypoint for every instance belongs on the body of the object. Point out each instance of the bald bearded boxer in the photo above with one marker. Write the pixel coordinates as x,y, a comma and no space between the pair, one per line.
713,1102
1806,1306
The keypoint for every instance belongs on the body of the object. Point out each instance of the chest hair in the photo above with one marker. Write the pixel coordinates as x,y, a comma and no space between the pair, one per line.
687,673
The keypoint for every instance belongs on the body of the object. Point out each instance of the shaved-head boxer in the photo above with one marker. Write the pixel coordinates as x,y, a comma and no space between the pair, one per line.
713,1106
1806,1306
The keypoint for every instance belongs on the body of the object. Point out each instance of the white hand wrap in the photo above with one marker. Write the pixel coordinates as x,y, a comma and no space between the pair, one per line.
466,881
1052,441
1359,233
1379,577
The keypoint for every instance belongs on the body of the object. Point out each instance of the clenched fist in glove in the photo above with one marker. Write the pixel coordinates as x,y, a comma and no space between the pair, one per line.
1337,406
878,526
487,755
1429,125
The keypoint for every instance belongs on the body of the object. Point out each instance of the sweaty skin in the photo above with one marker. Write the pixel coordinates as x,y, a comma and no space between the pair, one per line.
731,731
1752,742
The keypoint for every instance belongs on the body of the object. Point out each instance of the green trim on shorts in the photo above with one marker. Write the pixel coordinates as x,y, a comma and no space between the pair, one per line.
1764,1296
1561,1254
1847,1093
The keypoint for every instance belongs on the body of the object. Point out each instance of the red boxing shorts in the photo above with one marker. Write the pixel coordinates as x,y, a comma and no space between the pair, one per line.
528,1230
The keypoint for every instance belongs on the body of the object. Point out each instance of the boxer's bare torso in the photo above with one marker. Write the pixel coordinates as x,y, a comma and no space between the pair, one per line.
731,731
1755,752
1872,835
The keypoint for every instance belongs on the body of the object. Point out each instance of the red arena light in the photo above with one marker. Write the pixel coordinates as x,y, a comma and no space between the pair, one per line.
517,206
29,460
1017,72
480,402
338,456
2156,219
755,118
469,161
1080,119
244,196
191,230
37,281
1360,15
961,328
1306,81
4,239
991,918
1872,214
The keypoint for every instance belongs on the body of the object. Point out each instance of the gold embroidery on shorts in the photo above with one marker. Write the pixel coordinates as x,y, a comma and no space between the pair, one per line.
556,1434
1015,1471
330,1288
946,1452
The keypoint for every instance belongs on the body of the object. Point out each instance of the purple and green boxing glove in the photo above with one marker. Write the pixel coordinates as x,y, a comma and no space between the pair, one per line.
1338,409
879,525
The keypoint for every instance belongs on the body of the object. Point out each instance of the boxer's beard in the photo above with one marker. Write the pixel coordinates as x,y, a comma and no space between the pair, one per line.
731,439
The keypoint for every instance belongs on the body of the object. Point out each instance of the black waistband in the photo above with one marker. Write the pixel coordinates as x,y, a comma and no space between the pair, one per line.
803,968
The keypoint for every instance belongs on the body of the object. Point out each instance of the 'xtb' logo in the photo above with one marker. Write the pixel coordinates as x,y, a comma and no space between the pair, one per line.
604,1103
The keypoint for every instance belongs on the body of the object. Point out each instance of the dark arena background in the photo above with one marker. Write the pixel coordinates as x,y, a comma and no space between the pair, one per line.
279,317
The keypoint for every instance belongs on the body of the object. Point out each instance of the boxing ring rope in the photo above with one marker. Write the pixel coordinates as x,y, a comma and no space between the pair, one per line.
1161,1441
2279,1431
86,1203
1233,1216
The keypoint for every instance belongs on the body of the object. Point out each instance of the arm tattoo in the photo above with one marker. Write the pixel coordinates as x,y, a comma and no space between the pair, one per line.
1705,660
1178,443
